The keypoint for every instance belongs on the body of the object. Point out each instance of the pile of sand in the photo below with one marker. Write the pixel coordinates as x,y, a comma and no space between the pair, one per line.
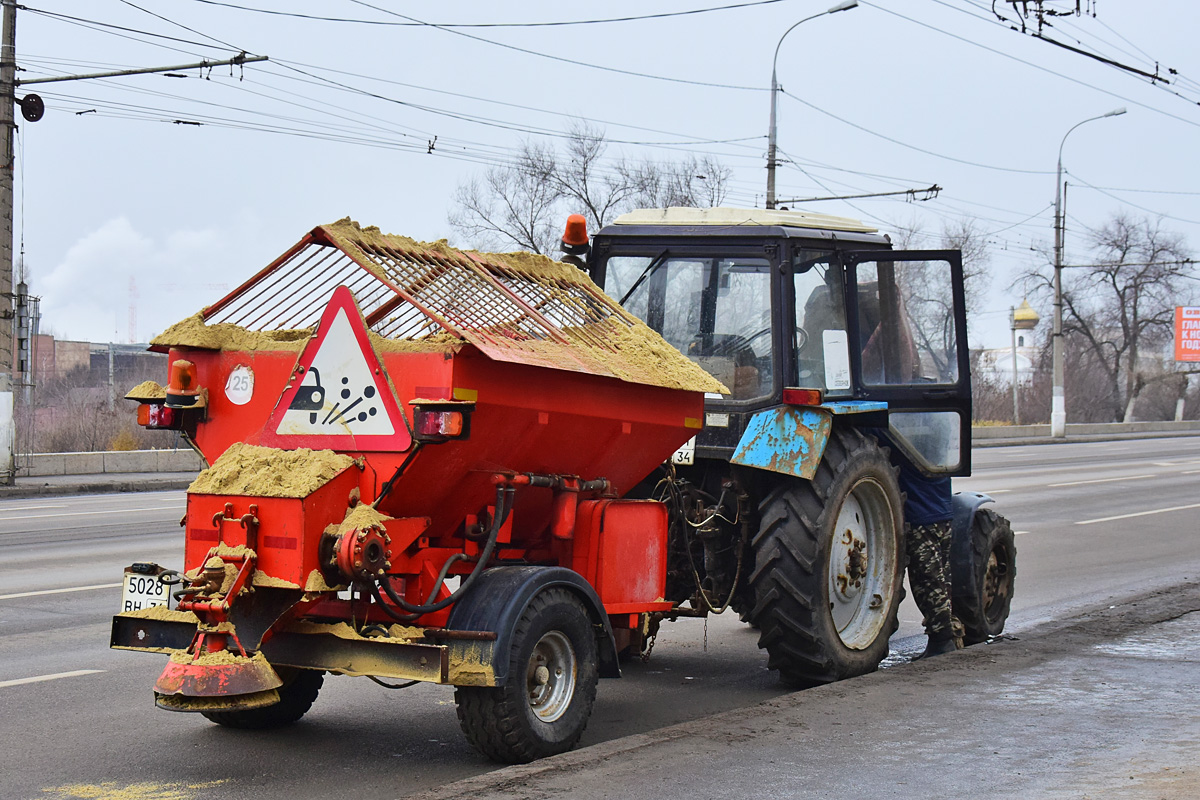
194,332
246,469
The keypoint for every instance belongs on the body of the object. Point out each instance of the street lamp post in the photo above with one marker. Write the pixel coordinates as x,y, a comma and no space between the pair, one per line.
1058,408
843,6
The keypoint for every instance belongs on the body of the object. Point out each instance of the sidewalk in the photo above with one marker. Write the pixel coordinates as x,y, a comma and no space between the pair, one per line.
1101,705
101,483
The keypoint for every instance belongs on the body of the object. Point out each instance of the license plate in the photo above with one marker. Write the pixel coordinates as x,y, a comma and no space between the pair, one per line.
143,591
685,454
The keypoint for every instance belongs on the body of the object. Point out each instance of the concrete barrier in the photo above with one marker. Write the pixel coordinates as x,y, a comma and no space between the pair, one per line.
147,461
111,462
986,432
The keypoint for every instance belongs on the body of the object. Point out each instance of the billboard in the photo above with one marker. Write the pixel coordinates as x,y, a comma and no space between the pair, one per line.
1187,333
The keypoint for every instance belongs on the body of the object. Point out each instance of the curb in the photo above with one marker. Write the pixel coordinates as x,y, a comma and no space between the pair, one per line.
767,720
1079,438
94,487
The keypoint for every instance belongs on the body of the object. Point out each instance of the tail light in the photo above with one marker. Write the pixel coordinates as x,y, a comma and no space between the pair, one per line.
802,397
441,420
156,416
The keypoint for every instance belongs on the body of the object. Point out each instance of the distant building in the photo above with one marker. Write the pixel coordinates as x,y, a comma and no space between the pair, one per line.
997,364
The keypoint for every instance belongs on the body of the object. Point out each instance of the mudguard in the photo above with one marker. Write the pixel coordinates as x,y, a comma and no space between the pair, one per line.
500,597
964,506
791,439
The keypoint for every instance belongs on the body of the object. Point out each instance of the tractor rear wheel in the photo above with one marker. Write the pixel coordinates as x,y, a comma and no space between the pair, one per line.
829,564
983,567
296,696
544,706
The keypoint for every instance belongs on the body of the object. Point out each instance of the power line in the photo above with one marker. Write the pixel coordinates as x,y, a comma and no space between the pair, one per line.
887,138
562,59
560,23
1135,205
1030,64
180,25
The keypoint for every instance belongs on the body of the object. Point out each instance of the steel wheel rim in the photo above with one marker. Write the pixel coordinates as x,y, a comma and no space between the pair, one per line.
550,676
862,558
995,583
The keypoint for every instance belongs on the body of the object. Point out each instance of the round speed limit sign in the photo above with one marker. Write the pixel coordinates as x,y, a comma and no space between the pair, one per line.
240,386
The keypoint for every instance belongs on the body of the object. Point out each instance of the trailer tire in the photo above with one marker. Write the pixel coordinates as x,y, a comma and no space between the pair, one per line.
983,566
544,706
296,696
815,628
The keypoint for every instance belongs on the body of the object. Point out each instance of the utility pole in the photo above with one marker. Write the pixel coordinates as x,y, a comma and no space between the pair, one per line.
8,98
32,109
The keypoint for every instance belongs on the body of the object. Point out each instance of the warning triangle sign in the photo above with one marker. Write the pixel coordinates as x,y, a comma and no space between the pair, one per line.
338,398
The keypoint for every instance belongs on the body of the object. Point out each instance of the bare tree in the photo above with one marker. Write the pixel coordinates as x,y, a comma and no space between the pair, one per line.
1122,305
693,182
961,234
513,205
525,203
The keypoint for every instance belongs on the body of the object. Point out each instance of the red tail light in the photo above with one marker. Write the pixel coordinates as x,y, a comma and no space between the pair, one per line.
802,397
439,423
155,416
440,420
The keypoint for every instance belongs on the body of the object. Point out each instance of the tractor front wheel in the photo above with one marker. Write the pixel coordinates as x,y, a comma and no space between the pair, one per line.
544,706
983,566
829,564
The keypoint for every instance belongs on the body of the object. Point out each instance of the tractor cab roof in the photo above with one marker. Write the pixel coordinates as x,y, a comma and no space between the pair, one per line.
741,222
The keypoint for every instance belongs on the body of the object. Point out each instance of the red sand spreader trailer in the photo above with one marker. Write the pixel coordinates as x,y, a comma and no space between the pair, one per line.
480,470
383,420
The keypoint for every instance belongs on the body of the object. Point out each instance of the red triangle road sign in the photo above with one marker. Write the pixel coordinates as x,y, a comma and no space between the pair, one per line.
339,397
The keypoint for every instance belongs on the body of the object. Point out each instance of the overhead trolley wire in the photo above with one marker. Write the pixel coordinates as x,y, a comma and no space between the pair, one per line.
563,59
558,23
1038,67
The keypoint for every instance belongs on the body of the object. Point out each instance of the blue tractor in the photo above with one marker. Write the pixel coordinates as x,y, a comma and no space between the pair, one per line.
842,357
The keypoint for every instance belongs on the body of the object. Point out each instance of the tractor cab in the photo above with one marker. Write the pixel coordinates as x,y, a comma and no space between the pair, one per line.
795,308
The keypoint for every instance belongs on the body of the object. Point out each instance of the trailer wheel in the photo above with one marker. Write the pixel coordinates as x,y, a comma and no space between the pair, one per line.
296,696
983,566
544,706
829,565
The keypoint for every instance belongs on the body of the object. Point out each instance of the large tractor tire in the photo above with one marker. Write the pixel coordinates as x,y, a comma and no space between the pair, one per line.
544,706
296,696
983,570
829,564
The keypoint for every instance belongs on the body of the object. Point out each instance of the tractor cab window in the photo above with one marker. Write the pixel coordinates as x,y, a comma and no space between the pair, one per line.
821,346
906,323
716,311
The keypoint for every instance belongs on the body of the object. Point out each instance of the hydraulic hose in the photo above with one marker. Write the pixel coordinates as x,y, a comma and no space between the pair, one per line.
504,499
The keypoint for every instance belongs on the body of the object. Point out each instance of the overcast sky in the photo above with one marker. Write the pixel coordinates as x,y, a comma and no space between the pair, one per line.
131,220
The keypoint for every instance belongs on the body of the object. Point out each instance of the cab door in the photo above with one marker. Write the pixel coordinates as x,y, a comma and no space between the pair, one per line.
906,316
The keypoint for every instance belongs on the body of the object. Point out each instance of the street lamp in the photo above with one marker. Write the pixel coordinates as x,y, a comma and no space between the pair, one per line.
1058,408
844,6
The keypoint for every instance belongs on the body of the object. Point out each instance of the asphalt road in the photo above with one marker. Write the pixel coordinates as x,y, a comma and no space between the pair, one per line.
1096,522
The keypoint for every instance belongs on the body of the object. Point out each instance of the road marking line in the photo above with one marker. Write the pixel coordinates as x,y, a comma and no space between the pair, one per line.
997,491
1138,514
82,513
60,591
1018,533
32,508
1101,480
1191,472
54,677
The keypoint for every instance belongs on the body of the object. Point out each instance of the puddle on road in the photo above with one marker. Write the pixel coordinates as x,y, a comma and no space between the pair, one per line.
1173,640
